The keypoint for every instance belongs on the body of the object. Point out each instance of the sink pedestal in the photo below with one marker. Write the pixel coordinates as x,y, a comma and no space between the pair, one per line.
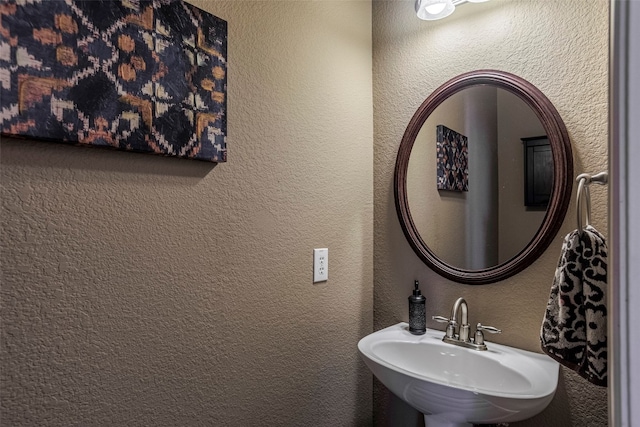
447,419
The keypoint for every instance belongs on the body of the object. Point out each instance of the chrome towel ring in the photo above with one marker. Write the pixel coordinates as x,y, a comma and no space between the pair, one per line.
584,180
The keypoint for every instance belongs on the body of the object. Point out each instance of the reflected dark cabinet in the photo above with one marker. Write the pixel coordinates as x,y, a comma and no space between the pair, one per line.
538,171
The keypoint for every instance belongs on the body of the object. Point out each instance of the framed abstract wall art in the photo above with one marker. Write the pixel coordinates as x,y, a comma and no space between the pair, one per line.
139,75
452,156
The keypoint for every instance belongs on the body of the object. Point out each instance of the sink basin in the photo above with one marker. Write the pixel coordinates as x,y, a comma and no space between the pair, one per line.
457,384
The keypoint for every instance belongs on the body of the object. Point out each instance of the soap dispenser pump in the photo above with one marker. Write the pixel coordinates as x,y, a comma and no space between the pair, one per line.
417,312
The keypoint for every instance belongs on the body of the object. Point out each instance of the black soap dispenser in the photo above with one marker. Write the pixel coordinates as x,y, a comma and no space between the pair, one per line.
417,312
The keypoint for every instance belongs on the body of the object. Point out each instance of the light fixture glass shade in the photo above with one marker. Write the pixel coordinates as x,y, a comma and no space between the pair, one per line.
434,9
477,1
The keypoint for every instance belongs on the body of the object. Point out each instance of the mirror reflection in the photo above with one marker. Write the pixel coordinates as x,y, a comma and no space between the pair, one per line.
479,177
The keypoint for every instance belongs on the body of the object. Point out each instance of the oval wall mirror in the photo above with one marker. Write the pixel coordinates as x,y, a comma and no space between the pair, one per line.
483,177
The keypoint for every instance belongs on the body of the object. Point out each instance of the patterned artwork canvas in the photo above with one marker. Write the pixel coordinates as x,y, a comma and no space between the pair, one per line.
452,156
139,75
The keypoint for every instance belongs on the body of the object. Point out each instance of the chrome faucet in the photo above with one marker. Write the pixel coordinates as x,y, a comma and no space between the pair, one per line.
462,337
463,329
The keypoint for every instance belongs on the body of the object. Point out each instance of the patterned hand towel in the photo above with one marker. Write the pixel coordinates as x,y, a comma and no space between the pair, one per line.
574,329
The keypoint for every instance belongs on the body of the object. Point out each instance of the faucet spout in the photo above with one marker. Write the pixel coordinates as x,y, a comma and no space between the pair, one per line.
463,330
460,304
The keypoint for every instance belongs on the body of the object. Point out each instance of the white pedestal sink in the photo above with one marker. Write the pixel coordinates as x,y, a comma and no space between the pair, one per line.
455,386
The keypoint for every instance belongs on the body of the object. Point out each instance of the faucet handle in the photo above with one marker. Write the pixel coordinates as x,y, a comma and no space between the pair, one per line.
440,319
451,325
479,337
490,329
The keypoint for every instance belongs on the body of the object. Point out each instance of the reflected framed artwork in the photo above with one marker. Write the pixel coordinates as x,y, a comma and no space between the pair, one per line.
452,157
145,76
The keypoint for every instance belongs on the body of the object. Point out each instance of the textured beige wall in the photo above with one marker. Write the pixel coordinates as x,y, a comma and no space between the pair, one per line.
141,290
560,46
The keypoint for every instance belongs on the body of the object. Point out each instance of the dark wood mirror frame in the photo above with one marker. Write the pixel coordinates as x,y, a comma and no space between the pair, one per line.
562,175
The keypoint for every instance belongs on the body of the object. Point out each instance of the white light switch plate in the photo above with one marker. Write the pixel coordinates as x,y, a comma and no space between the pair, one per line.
320,265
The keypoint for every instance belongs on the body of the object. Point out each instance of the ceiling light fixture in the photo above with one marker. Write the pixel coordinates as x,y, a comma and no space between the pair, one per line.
430,10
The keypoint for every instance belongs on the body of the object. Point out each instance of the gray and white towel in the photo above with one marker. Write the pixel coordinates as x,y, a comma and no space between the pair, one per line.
574,329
